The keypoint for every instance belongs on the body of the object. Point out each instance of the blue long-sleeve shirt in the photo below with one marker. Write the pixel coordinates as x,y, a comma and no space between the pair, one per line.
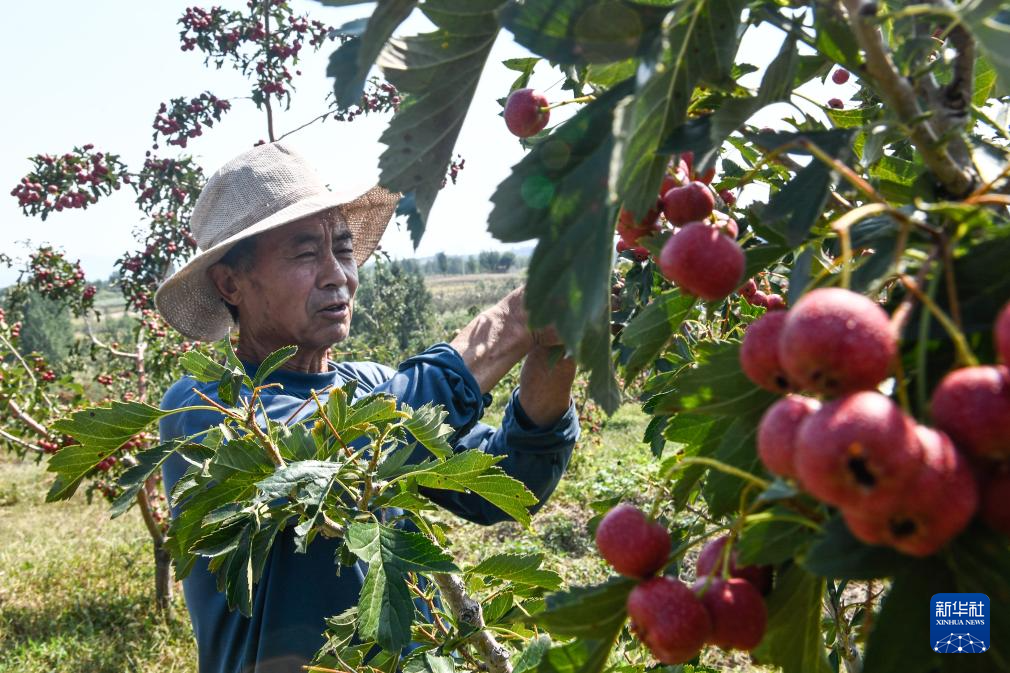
298,591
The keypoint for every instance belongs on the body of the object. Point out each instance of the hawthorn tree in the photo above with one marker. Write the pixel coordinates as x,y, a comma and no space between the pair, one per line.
821,365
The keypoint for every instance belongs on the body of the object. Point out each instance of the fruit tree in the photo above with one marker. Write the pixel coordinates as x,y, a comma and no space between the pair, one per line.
815,307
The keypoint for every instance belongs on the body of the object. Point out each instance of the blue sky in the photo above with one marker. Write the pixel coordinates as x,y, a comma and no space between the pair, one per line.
80,72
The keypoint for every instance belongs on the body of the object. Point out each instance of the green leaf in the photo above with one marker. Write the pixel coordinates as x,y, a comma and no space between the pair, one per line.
894,644
240,455
737,448
705,135
349,65
201,367
794,209
272,362
518,569
100,431
532,654
985,82
475,471
652,328
793,639
430,662
557,194
583,31
837,554
439,72
426,425
598,359
715,386
834,36
701,46
304,480
990,25
773,542
586,612
148,462
384,606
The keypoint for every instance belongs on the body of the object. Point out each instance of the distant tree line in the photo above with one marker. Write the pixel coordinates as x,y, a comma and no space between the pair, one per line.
489,261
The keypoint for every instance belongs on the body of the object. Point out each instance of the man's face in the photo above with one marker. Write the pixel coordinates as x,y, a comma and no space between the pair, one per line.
302,284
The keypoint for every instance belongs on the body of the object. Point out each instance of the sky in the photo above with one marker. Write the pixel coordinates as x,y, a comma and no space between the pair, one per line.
96,72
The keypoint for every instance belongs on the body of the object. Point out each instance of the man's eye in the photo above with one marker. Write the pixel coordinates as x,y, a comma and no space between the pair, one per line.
306,254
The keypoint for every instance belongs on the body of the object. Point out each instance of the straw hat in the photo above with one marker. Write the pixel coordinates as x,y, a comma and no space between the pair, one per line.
266,187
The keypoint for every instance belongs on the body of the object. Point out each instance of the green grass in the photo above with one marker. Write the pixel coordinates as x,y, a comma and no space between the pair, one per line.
77,590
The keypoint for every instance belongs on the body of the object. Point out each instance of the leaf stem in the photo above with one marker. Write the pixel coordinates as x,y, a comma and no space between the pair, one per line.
723,467
964,353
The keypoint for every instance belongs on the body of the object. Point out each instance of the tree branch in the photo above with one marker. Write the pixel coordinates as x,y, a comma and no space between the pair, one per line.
466,609
900,96
20,442
23,416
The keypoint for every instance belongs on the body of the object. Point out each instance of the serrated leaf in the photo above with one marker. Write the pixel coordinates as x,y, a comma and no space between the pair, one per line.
557,195
349,65
475,471
384,606
583,31
586,612
100,431
148,462
793,638
772,542
272,363
201,367
439,71
714,386
306,479
426,426
700,46
737,448
705,135
240,455
652,328
518,569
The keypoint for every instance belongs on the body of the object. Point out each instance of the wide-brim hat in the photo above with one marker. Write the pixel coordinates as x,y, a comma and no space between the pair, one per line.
261,189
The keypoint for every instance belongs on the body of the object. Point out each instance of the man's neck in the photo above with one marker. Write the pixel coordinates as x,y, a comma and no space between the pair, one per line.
307,361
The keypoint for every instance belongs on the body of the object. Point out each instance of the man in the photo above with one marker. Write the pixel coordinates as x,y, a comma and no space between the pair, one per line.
279,259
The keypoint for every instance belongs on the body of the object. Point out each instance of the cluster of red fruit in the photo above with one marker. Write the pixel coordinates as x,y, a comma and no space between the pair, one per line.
73,180
168,184
180,120
243,38
755,297
52,446
105,379
897,483
378,96
839,76
55,277
455,166
724,607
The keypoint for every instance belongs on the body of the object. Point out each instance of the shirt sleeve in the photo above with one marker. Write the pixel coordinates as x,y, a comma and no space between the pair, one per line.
536,456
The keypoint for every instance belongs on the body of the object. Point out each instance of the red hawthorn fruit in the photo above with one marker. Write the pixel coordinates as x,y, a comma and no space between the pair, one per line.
836,103
836,341
630,230
667,616
995,505
669,182
776,440
737,611
688,203
709,563
728,197
1001,335
726,224
748,289
972,405
759,298
631,543
858,451
759,353
840,76
775,302
525,113
703,262
937,505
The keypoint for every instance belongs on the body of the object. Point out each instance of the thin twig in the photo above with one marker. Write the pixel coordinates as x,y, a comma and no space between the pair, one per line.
25,418
20,442
266,55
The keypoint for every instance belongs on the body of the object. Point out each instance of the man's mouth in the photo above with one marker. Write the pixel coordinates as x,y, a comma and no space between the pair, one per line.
337,310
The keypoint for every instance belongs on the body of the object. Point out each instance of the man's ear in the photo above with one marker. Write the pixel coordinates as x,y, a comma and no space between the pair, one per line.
224,280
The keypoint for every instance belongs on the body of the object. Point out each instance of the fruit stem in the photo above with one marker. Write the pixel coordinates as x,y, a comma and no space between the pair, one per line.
964,354
841,226
850,175
723,467
581,99
767,517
